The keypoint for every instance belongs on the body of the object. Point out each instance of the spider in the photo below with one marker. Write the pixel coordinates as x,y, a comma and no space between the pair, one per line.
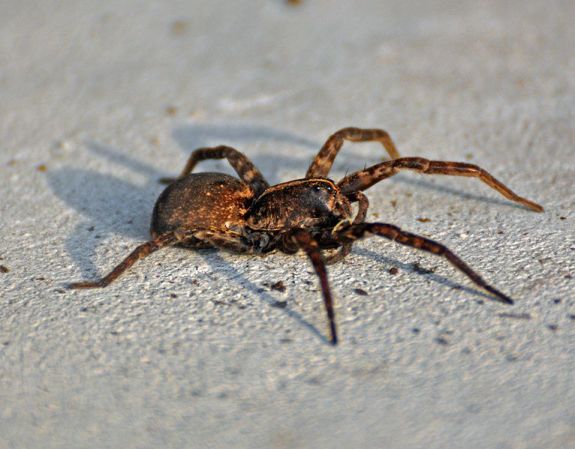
313,214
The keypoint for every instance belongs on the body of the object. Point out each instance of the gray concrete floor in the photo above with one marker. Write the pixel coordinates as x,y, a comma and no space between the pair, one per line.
100,99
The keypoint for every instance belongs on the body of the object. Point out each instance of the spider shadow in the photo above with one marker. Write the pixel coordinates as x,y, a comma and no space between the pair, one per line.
216,262
108,206
411,268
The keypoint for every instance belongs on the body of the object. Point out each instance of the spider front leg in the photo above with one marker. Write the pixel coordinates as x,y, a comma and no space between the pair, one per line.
246,170
358,231
304,240
139,253
363,205
322,163
364,179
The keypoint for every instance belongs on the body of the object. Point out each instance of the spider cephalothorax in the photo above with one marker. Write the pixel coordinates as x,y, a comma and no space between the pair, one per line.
313,214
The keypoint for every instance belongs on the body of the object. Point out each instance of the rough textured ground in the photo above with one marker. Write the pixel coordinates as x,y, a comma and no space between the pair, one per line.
100,99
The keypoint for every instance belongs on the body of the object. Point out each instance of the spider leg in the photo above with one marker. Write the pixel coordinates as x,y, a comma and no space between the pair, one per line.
226,240
323,161
304,240
192,239
363,205
345,249
395,234
364,179
246,170
140,252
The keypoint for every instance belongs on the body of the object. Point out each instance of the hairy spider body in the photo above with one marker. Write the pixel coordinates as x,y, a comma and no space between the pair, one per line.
312,214
218,205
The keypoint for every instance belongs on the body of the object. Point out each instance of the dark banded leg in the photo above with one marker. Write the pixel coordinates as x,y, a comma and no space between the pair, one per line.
322,163
363,205
246,170
394,233
139,253
364,179
305,241
345,249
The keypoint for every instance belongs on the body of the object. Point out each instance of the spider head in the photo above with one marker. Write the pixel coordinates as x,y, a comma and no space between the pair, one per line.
305,203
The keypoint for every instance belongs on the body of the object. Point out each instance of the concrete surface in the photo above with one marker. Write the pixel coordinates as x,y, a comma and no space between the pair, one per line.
195,350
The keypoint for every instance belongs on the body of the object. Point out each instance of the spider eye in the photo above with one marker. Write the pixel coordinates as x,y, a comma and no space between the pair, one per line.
323,187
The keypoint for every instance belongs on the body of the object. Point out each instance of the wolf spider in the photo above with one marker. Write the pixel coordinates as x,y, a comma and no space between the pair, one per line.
248,216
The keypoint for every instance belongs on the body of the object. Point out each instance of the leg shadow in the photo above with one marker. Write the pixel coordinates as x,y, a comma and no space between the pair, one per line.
427,185
411,268
219,265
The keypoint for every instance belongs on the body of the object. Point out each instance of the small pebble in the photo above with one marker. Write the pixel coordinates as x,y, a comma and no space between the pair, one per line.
278,286
171,111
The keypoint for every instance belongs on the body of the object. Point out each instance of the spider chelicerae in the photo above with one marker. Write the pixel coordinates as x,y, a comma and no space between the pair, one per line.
313,214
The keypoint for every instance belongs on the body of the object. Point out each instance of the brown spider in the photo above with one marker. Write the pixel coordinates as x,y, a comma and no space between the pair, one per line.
246,215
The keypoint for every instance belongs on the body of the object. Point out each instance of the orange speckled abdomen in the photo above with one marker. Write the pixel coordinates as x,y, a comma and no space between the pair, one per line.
201,201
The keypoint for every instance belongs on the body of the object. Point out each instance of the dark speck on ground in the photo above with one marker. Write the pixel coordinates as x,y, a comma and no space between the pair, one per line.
441,341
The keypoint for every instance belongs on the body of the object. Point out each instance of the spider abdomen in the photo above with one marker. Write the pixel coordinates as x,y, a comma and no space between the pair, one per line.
201,201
